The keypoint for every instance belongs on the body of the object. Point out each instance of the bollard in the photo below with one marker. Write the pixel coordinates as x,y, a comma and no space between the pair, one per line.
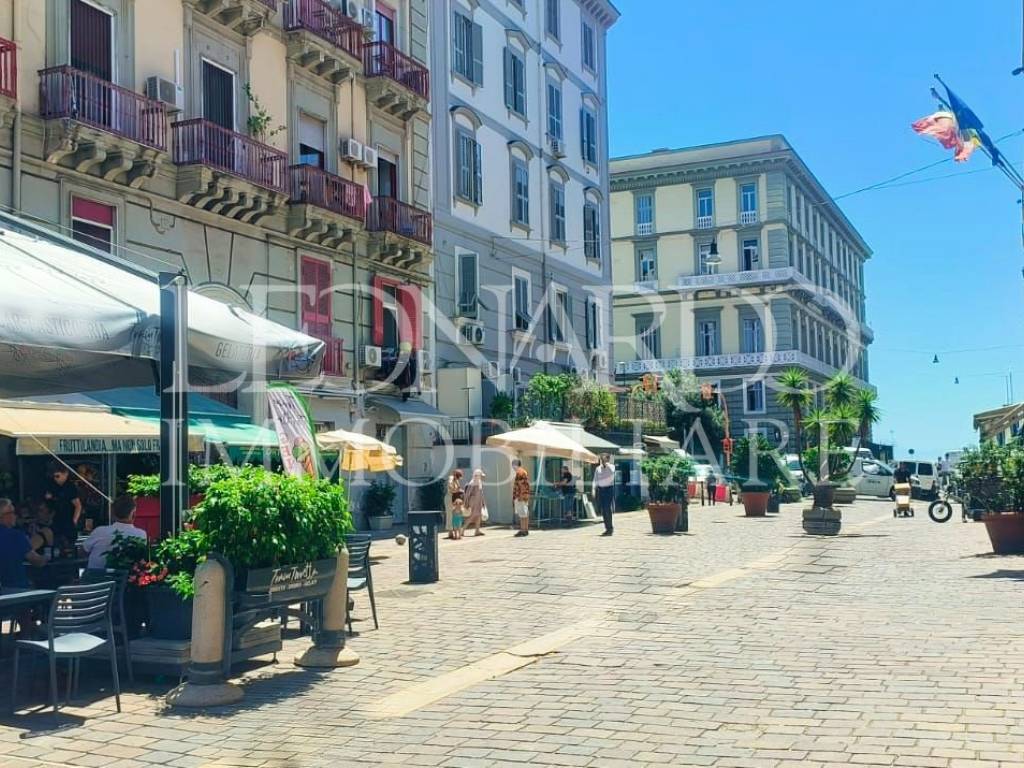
329,649
206,686
423,555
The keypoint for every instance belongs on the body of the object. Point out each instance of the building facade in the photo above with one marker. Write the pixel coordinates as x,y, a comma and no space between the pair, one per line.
520,142
276,151
733,262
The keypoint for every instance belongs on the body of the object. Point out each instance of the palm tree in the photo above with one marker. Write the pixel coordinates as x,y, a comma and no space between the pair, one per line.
868,413
795,394
841,389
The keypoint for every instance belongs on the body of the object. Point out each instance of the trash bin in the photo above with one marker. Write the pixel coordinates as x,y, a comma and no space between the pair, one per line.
423,528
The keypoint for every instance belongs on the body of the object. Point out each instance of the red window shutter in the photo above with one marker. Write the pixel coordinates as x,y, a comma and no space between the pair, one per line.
307,286
91,211
410,315
324,292
378,311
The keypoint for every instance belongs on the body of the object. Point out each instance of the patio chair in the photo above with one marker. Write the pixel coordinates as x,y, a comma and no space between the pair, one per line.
359,574
75,614
118,616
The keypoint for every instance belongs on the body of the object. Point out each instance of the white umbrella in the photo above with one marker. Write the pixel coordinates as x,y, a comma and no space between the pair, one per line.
359,451
542,439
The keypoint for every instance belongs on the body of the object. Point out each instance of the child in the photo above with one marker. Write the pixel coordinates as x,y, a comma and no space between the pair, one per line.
458,510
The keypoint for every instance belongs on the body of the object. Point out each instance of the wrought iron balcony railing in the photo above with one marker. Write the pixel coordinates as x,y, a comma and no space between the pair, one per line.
200,142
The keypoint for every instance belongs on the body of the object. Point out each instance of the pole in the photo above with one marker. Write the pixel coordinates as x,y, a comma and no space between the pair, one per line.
173,400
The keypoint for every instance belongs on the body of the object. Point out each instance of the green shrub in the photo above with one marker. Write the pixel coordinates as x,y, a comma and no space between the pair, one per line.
767,469
379,498
667,476
126,551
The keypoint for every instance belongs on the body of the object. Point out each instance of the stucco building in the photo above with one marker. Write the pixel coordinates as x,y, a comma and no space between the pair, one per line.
520,143
278,152
732,261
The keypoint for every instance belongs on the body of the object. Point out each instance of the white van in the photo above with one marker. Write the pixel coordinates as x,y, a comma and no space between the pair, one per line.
872,478
927,475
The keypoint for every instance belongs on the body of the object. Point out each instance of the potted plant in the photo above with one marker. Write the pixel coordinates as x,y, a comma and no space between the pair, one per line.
993,478
168,583
667,476
124,553
758,467
378,500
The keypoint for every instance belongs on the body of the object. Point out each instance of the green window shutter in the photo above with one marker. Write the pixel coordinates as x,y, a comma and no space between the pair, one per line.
459,53
510,89
478,173
478,54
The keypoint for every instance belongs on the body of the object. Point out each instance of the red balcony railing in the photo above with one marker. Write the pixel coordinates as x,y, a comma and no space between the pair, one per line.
316,187
326,21
8,69
384,60
334,348
271,4
389,215
200,142
65,92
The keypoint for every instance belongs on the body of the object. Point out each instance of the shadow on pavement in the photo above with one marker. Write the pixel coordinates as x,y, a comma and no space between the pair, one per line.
1001,574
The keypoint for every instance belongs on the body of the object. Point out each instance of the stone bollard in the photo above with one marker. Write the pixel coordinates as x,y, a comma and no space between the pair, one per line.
206,686
328,650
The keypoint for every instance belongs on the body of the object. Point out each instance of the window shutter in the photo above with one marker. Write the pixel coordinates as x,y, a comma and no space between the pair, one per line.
590,323
478,173
510,90
583,134
568,329
410,309
520,83
458,43
478,54
461,167
378,311
307,288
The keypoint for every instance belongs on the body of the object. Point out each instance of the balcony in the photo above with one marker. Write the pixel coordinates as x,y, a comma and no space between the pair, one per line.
413,226
334,348
705,222
8,69
323,39
744,279
227,172
748,217
396,83
646,286
245,17
324,208
644,228
99,127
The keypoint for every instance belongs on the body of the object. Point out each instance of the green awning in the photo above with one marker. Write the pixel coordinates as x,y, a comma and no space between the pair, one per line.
226,431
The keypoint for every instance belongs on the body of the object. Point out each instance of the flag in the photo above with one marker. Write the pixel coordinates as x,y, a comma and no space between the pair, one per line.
964,115
941,126
971,127
367,197
970,143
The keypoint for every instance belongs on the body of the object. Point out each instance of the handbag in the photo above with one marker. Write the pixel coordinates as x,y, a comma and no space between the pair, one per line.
484,514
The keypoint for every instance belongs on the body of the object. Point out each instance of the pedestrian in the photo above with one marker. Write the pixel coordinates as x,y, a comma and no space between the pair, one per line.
457,516
454,492
712,483
15,549
567,484
102,538
521,498
475,502
62,497
604,491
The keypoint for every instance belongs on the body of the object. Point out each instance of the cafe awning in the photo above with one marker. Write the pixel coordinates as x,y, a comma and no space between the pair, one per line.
543,441
75,319
407,410
586,439
42,429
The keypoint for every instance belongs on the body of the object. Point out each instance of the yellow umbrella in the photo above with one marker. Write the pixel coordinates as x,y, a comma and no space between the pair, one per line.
360,452
543,440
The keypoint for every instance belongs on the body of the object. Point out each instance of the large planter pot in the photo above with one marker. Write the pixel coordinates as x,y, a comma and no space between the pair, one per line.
380,522
170,616
755,503
824,495
663,516
1006,532
845,494
147,516
822,522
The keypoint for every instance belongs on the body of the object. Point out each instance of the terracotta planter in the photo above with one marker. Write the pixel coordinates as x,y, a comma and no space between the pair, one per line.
845,494
663,516
755,503
1006,532
824,495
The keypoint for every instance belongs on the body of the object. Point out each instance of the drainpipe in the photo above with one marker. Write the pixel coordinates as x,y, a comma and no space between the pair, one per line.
16,128
545,184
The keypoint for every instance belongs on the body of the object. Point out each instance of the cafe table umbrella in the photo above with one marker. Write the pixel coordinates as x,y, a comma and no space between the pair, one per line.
543,441
359,452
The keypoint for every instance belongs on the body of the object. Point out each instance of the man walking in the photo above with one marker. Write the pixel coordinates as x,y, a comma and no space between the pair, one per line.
521,498
604,491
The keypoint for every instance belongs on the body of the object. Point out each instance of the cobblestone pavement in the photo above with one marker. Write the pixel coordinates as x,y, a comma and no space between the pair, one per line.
743,644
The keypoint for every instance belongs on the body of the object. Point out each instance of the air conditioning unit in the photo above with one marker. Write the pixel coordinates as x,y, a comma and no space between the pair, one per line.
517,374
492,370
373,357
166,91
599,361
473,333
352,9
368,18
352,150
557,146
369,156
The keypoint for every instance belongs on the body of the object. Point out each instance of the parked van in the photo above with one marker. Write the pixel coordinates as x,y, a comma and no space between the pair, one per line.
927,475
872,478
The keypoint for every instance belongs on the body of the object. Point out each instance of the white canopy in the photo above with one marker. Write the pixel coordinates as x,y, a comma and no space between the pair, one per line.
543,440
73,320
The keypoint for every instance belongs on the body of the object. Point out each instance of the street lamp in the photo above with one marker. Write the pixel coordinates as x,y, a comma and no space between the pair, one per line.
713,259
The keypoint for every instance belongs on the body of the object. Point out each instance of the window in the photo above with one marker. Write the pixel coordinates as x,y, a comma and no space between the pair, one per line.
468,49
647,265
515,81
705,207
748,203
558,213
703,256
385,24
648,338
707,338
468,285
560,320
591,232
751,257
554,110
469,169
588,136
753,336
316,297
520,192
218,95
93,224
552,19
589,49
311,141
644,214
593,323
92,42
753,400
397,315
521,304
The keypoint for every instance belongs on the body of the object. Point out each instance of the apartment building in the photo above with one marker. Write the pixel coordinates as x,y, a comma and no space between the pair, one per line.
275,150
520,138
733,262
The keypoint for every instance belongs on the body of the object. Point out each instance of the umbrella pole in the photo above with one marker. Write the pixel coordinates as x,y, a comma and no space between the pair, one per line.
173,385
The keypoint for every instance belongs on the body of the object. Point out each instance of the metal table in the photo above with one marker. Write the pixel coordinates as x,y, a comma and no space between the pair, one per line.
17,597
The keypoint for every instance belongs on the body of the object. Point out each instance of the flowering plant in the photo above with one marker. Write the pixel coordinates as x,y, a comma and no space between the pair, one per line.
146,572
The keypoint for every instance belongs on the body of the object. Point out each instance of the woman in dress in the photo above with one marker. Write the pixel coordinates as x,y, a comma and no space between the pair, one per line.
475,502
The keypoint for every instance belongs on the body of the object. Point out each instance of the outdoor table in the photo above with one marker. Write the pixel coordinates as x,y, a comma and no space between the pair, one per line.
14,600
58,573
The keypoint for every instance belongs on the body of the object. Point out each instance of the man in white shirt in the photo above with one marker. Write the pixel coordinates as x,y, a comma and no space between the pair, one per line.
604,491
101,539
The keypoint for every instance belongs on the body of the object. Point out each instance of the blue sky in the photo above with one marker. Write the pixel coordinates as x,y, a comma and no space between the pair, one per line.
843,82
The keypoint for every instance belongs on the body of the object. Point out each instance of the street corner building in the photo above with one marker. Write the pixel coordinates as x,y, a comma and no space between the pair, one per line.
732,262
278,152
